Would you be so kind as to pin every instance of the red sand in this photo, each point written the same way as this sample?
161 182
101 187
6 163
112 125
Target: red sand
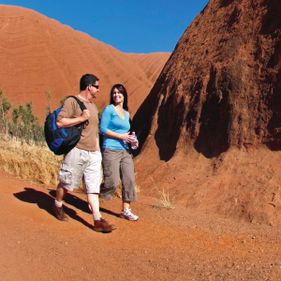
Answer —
178 244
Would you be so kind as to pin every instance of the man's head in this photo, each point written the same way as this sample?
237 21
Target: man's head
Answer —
90 83
88 79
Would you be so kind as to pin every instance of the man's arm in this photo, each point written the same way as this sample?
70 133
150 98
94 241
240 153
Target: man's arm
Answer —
69 122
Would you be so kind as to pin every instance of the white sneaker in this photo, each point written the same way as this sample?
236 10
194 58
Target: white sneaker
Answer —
128 215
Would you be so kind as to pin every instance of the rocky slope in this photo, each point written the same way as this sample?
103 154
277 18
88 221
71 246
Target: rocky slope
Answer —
215 110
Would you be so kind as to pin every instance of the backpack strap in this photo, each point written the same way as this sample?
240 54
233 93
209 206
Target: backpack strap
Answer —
82 107
81 104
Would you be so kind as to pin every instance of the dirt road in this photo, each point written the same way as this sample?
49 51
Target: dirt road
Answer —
177 244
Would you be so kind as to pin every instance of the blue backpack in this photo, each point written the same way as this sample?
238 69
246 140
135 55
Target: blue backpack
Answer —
62 140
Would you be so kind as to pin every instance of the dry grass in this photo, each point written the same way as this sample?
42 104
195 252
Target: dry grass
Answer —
32 162
165 201
27 161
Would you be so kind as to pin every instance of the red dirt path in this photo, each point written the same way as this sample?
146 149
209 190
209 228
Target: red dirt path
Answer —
176 244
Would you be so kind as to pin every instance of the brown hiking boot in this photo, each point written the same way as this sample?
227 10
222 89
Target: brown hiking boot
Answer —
112 225
59 213
102 226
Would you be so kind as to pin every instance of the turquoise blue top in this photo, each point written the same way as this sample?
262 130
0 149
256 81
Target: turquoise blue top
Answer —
110 120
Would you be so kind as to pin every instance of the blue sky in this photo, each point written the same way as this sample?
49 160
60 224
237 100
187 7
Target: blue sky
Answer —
131 26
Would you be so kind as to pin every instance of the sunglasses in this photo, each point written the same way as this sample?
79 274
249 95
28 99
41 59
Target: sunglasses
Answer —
96 86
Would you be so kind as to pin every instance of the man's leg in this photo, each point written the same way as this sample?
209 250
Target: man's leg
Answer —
60 193
92 181
100 224
94 204
58 209
70 175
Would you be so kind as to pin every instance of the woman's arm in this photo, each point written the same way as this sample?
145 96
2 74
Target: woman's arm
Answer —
124 137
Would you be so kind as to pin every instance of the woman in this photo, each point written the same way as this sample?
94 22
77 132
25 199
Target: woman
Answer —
117 159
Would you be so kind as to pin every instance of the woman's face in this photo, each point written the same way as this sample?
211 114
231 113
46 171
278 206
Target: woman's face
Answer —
117 96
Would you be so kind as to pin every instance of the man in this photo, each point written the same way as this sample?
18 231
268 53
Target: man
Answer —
83 162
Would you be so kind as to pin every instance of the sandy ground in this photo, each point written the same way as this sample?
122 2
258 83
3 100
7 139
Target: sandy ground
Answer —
177 244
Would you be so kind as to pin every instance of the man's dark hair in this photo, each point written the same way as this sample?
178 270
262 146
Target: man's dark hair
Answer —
123 91
86 80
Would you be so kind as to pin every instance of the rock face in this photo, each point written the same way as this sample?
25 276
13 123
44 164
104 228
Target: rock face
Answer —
208 127
222 85
42 61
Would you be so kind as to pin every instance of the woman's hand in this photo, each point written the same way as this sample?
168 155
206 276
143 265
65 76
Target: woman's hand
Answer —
128 138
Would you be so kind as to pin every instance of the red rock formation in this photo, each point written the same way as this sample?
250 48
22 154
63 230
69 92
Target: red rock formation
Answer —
42 60
220 90
221 86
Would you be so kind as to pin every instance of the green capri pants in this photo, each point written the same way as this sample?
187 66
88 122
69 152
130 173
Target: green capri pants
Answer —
118 164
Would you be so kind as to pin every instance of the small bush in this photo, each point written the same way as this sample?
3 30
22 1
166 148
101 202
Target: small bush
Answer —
21 123
165 201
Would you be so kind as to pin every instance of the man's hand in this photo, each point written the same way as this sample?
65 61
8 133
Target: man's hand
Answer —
85 115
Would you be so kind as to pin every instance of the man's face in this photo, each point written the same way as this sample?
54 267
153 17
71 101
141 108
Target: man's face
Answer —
94 89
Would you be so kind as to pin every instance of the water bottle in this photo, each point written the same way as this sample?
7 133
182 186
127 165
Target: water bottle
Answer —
135 143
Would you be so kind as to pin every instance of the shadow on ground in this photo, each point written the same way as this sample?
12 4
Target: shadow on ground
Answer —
81 204
45 202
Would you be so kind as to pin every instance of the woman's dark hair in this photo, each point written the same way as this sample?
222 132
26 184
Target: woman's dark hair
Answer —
123 91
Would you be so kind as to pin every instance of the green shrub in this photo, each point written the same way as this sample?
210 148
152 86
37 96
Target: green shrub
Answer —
21 124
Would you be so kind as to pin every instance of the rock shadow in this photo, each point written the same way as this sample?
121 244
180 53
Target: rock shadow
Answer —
215 117
170 120
142 120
